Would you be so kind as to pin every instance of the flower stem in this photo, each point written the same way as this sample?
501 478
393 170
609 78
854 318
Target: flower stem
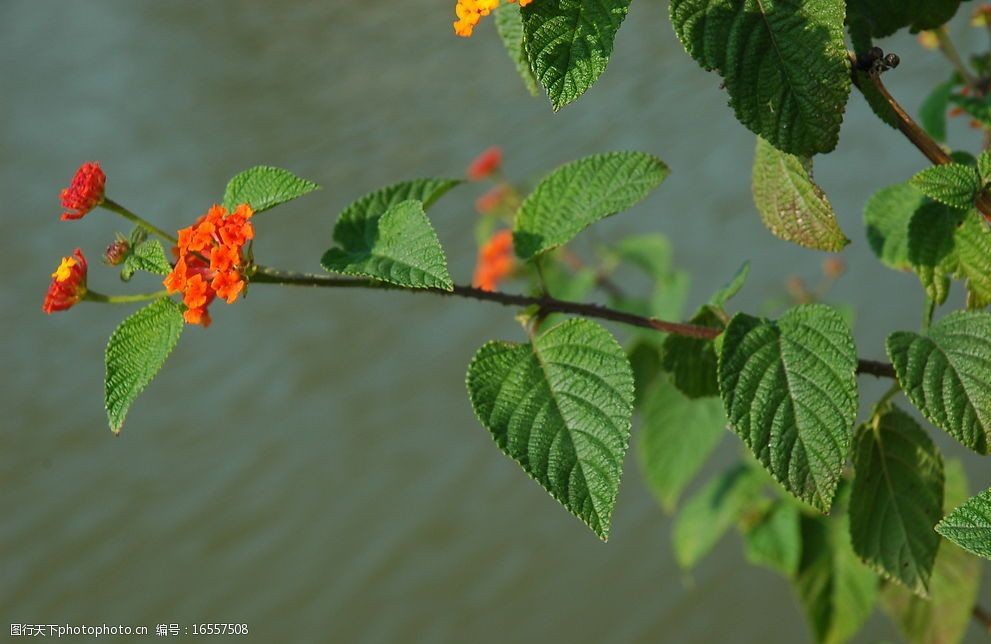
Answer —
92 296
950 51
113 206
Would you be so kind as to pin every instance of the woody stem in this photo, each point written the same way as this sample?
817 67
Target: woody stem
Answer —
544 303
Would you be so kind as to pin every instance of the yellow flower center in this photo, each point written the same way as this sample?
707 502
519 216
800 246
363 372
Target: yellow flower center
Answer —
64 269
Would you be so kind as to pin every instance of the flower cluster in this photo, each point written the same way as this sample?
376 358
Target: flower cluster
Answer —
85 192
469 12
211 260
68 284
495 261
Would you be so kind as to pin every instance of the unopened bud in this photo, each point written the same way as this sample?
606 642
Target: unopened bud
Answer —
117 252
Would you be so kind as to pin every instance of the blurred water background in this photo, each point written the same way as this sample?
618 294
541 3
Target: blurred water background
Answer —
310 465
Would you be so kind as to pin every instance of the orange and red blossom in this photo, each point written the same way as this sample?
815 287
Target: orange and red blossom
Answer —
485 164
85 192
495 261
68 284
211 260
469 12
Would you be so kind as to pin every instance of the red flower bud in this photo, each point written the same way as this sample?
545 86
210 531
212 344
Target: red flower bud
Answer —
485 164
85 192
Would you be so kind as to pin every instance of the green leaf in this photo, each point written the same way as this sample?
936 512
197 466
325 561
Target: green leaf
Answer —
729 291
693 362
561 408
953 184
969 525
580 193
265 187
897 499
569 43
784 64
932 248
945 373
973 259
136 352
953 587
710 512
790 392
398 246
791 205
885 17
652 253
978 108
509 24
836 590
932 113
775 541
675 439
148 256
984 166
887 216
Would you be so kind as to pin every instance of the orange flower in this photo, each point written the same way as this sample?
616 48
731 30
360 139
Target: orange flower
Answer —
68 284
485 164
469 12
85 192
495 261
211 260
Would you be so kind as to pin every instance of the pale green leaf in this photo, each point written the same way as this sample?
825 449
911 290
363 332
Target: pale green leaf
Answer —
784 63
147 256
399 247
953 184
837 591
651 252
946 374
675 438
509 24
932 113
135 354
581 193
569 43
887 216
561 408
790 392
265 187
710 512
942 619
775 540
790 204
897 499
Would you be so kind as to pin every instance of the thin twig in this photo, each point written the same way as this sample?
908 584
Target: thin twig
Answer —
545 304
914 132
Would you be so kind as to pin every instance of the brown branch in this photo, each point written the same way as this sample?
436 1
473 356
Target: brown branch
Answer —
912 130
544 304
982 617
